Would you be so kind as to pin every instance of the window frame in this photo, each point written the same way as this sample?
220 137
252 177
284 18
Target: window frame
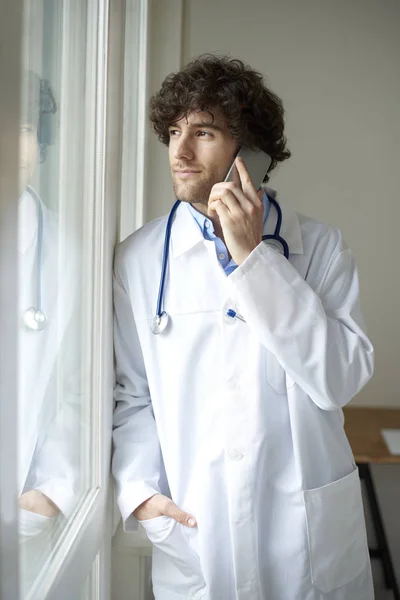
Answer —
78 551
87 539
118 130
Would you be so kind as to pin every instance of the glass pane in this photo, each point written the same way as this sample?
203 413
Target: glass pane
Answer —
55 275
90 586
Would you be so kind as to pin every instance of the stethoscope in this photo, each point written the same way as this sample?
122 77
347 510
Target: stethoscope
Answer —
34 317
160 321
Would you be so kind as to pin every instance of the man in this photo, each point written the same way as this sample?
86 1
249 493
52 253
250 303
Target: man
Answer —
49 419
229 446
45 483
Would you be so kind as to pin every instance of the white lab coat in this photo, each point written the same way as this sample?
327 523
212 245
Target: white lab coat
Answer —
50 423
47 423
241 423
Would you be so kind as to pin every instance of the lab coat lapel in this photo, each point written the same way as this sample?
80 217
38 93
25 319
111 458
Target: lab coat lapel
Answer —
185 233
194 262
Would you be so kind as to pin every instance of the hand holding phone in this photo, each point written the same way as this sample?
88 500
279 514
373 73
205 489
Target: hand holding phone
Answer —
257 164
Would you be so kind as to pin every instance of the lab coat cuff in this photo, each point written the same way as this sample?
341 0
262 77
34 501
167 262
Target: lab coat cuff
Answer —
129 499
261 252
59 493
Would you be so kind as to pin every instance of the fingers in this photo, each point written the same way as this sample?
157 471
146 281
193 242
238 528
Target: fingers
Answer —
222 211
231 195
170 509
234 201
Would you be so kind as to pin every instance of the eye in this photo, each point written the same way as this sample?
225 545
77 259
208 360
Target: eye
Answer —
173 132
204 134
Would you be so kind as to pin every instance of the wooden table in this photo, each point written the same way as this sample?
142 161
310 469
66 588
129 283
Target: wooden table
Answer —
363 427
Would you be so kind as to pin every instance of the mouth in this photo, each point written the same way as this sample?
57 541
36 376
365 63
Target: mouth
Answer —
186 173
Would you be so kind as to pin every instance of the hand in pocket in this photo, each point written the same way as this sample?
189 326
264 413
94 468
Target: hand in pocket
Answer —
158 506
36 502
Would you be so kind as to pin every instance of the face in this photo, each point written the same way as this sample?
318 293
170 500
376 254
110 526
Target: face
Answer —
28 154
201 150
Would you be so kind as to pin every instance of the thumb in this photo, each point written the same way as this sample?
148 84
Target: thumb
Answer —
172 510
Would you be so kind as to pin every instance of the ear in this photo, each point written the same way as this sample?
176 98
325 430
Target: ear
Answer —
260 193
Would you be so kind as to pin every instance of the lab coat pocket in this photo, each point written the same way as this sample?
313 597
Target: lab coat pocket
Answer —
336 532
31 524
169 537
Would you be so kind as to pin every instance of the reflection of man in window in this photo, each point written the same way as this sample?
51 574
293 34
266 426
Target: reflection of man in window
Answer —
46 473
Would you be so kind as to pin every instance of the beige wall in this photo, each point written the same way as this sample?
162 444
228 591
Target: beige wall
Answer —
335 63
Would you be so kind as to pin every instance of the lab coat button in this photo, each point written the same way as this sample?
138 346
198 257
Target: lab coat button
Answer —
235 454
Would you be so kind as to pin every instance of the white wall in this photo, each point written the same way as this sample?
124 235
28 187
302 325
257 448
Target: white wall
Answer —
335 64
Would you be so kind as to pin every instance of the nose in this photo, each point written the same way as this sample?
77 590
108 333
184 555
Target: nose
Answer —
183 148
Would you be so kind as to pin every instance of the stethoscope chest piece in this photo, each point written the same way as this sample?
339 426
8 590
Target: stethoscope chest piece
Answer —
34 319
159 323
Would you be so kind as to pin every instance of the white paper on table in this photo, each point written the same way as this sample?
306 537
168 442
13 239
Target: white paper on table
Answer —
392 439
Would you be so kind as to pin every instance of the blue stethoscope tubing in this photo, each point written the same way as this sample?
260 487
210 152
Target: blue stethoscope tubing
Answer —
34 317
277 233
160 321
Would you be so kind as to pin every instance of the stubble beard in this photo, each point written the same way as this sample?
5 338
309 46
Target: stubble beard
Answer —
191 192
194 192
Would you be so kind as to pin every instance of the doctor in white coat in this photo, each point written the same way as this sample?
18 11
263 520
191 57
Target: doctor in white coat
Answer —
45 475
229 445
48 421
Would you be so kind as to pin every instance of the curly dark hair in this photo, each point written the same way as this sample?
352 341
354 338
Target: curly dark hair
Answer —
254 114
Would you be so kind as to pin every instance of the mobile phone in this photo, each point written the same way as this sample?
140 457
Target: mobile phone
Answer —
257 164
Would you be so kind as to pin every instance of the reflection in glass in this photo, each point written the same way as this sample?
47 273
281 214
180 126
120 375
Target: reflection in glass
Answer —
53 430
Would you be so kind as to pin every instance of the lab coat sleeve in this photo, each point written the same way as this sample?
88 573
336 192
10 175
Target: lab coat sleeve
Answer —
318 334
57 465
137 463
55 469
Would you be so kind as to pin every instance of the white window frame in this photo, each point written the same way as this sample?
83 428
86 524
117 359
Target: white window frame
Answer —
76 556
83 553
134 163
